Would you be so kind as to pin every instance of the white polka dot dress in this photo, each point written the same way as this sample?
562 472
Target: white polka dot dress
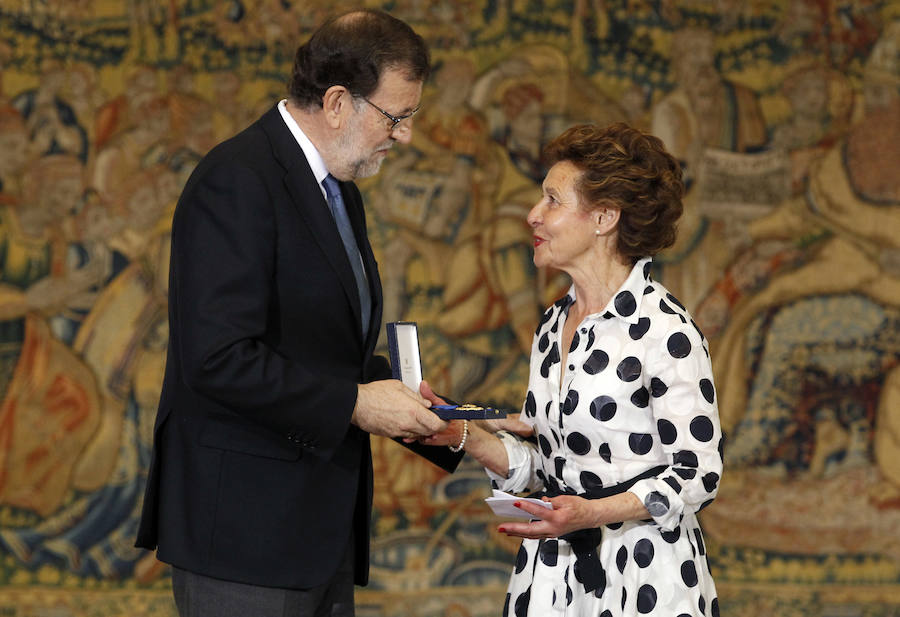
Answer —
637 393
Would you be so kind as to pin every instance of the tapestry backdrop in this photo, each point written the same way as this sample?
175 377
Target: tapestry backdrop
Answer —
786 116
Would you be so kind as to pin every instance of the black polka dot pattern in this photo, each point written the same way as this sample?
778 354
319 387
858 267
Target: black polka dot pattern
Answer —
707 390
559 464
550 359
646 600
671 536
521 608
675 301
629 369
665 308
622 559
685 474
530 408
546 448
570 403
636 392
656 503
605 452
640 443
596 362
643 552
689 573
549 552
667 431
685 458
575 341
625 303
521 559
590 481
641 397
578 443
638 330
675 484
679 345
702 428
603 408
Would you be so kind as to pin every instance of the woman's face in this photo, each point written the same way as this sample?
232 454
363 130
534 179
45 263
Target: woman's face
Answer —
563 232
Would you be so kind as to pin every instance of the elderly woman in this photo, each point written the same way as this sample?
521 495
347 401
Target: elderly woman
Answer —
620 399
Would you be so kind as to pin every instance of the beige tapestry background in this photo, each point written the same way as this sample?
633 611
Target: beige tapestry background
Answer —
786 116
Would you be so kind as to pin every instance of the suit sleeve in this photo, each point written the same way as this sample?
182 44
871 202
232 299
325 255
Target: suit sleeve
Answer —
223 261
379 368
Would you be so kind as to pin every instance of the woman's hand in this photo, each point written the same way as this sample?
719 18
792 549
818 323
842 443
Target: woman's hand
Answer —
510 423
569 513
451 436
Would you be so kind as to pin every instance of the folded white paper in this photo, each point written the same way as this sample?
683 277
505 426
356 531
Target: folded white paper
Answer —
502 505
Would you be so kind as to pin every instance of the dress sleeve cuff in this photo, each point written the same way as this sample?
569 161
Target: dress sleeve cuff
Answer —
520 454
661 501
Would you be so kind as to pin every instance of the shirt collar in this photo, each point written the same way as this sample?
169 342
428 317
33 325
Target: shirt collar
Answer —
626 302
309 150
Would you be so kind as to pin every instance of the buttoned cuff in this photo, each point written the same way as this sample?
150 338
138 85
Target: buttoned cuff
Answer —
520 454
662 502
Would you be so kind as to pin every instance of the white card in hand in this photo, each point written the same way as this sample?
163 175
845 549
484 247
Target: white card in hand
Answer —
502 505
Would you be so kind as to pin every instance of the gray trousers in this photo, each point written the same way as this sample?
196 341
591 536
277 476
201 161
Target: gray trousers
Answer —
202 596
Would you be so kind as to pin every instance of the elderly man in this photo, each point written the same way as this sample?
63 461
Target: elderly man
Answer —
260 487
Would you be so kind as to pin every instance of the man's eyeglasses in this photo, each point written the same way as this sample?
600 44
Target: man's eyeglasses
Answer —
395 120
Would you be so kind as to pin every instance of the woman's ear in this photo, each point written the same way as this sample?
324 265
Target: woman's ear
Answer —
334 105
607 219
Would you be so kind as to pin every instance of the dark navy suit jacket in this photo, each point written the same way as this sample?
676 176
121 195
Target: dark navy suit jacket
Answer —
257 475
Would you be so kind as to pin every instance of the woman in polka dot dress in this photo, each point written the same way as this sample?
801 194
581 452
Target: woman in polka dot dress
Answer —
620 398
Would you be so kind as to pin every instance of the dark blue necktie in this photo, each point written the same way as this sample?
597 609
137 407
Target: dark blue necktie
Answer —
339 212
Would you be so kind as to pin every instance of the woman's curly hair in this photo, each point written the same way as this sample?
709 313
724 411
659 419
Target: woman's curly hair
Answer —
630 170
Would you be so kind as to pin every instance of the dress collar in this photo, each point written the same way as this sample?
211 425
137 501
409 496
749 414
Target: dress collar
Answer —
626 302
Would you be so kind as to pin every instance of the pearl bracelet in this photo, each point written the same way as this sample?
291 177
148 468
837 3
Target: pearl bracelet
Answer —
462 442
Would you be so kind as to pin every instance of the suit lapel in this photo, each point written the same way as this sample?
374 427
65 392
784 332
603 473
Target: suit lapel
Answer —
310 203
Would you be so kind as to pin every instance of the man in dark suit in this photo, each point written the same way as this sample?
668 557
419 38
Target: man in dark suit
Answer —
260 487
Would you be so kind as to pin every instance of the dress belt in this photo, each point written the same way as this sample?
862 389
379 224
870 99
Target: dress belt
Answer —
584 542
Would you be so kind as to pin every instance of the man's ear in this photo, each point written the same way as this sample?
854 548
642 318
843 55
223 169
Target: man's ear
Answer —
335 102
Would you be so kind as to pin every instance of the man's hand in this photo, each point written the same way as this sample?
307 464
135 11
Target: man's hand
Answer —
452 433
391 409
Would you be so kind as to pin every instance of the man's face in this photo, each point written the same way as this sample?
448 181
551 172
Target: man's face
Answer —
368 135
